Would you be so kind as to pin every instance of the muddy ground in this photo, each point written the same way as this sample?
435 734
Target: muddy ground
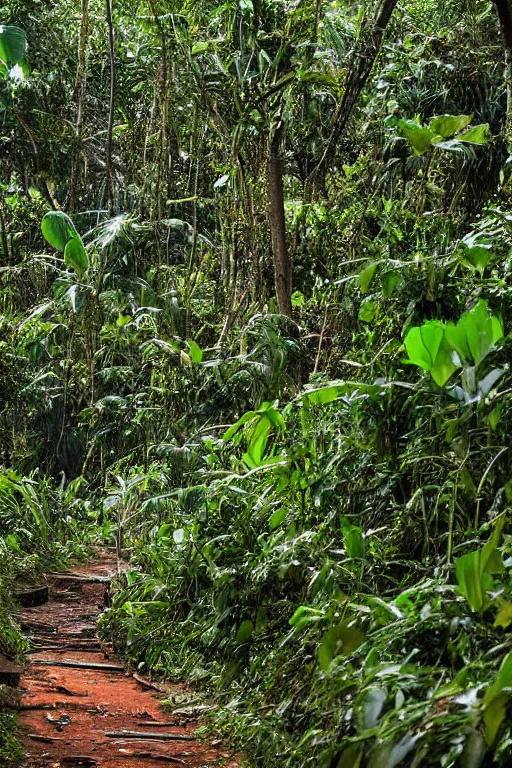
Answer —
86 717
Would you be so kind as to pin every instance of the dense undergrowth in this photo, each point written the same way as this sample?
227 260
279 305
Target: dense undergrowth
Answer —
34 536
316 502
12 645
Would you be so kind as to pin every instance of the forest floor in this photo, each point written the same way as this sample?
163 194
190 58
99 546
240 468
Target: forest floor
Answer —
95 714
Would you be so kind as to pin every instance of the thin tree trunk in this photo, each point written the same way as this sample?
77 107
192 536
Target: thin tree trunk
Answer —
282 265
111 111
164 91
79 94
504 11
359 70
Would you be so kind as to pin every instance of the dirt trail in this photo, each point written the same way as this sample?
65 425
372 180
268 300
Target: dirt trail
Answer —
68 713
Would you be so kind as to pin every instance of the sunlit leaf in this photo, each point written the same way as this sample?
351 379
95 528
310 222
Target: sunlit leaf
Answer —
13 46
58 229
504 616
353 539
472 569
277 517
496 699
389 282
367 312
419 137
479 134
351 757
447 126
196 353
305 615
75 256
366 277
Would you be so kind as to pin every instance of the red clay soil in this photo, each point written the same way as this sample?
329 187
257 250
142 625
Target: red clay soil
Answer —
67 713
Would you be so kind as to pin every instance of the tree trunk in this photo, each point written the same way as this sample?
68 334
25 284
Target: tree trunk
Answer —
505 18
79 95
365 52
111 110
282 265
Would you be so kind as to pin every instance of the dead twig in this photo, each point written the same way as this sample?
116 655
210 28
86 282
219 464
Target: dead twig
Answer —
144 736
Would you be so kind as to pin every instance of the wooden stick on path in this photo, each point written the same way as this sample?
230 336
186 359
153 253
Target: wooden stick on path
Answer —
162 758
144 736
79 665
147 684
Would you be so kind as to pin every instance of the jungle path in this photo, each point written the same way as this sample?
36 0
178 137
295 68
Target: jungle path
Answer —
80 709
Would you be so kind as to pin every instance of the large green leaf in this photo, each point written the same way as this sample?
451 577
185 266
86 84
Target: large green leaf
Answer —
13 47
366 276
427 348
432 346
58 229
75 256
323 395
196 353
447 126
60 232
232 431
244 633
419 137
389 281
367 311
472 570
422 343
305 615
477 250
443 364
479 134
258 442
496 698
352 538
475 334
351 756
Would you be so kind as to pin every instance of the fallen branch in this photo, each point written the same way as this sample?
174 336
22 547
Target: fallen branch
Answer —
147 684
33 707
156 724
162 758
50 739
79 665
62 689
79 577
144 736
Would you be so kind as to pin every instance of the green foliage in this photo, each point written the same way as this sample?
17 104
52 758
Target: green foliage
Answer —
291 496
443 132
496 698
429 348
341 640
60 232
260 424
441 348
13 48
474 571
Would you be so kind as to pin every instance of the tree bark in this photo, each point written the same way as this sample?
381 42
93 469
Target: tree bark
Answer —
282 265
504 11
79 95
111 110
358 72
